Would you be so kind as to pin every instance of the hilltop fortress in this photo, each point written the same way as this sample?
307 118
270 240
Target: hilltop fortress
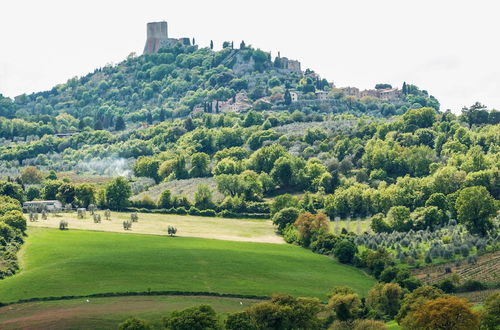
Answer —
157 37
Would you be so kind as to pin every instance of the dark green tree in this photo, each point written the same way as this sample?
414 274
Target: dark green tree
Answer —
475 207
119 123
201 317
134 324
288 97
345 251
117 193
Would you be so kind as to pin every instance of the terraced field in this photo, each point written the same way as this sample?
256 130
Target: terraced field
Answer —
487 269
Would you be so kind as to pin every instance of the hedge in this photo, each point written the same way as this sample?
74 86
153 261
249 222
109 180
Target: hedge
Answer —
204 213
140 293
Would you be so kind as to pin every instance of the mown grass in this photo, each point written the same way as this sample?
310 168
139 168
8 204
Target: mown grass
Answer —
157 224
107 312
65 263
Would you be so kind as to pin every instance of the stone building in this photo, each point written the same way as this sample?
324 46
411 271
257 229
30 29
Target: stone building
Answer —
369 92
350 91
390 94
157 37
287 64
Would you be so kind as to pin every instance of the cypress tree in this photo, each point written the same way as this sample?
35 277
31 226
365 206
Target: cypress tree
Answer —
98 125
288 97
119 123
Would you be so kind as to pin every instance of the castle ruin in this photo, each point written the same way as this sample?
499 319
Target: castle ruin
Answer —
157 37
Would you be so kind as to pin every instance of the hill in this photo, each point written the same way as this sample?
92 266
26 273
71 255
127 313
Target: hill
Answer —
181 80
66 263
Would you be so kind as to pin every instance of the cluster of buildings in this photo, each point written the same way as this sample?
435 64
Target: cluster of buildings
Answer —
388 94
239 103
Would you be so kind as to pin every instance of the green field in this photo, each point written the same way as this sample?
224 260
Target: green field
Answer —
64 263
108 312
187 226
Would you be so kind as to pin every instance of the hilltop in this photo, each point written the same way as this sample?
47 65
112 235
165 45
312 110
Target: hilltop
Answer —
180 79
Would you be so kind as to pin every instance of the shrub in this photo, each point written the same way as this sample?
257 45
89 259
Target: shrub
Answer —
345 251
134 324
63 225
471 285
165 200
285 217
127 224
208 213
240 321
180 210
171 230
291 234
201 317
447 286
369 325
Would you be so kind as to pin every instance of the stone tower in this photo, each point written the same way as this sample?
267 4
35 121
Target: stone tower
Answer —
157 33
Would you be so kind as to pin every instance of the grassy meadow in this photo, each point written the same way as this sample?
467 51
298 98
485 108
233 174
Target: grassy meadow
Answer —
187 226
76 262
106 312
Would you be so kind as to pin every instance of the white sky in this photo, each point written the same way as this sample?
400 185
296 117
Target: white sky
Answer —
451 48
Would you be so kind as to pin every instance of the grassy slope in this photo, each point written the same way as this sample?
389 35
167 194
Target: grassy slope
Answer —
57 263
106 313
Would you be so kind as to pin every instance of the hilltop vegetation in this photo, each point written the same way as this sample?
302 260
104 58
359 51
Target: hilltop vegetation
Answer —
427 183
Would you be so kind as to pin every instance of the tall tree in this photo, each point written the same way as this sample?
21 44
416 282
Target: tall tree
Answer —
118 192
203 197
288 97
446 313
475 208
119 123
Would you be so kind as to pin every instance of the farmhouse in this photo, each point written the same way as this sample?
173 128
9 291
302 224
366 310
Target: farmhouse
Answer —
390 94
321 95
42 205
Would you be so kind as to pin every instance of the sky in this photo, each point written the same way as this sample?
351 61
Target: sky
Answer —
447 47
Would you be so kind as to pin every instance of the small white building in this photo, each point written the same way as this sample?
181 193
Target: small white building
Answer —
321 95
294 96
43 205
